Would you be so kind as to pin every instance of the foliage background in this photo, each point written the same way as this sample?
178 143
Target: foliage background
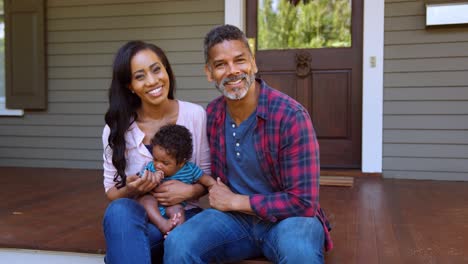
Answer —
286 24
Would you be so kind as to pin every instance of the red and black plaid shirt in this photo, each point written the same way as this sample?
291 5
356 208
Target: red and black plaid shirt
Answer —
288 151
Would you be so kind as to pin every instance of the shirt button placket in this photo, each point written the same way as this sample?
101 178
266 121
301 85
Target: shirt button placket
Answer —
237 149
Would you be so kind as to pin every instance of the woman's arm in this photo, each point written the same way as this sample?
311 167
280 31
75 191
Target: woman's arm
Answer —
173 192
125 192
136 186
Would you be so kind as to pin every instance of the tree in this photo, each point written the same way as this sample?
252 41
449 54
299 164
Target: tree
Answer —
286 24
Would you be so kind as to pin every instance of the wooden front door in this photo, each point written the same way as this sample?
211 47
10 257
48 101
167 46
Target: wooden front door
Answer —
326 80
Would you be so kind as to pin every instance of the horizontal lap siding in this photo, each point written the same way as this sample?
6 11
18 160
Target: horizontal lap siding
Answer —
82 39
425 96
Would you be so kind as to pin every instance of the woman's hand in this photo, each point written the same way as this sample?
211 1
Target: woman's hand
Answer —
145 183
136 186
173 192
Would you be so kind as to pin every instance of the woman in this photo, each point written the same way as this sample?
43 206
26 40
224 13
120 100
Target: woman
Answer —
141 100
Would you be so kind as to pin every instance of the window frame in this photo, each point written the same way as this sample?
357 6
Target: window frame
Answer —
3 110
9 112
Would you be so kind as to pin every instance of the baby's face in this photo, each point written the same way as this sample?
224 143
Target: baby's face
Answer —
165 162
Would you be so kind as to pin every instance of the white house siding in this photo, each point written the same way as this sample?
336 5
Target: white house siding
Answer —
82 38
425 96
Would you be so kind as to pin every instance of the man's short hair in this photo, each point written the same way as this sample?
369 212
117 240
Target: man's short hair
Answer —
221 33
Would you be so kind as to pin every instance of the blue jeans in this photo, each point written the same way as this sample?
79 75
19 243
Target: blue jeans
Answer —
215 236
130 237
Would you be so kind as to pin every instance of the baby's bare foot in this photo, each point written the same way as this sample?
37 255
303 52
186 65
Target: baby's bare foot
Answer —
166 225
178 219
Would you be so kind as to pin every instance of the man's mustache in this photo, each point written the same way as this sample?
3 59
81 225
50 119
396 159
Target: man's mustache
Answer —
233 78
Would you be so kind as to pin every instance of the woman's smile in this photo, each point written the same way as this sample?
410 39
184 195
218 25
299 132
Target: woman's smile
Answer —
156 91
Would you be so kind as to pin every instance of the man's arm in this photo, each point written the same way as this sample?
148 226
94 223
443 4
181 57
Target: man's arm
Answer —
223 199
299 171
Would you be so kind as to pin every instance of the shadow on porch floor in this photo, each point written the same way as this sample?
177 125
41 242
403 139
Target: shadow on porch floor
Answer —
375 221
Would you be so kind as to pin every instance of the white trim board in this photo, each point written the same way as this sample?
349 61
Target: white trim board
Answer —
8 112
236 14
25 256
446 14
372 77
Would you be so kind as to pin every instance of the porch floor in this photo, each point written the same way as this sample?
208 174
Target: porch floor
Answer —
375 221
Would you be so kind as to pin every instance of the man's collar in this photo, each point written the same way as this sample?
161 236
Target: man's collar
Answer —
262 107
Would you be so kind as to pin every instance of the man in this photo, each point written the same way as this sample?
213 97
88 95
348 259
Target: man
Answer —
266 157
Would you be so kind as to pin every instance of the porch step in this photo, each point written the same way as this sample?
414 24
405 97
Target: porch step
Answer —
343 181
348 173
342 177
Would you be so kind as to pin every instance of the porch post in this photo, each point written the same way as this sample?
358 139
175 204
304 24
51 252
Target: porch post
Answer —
234 13
372 86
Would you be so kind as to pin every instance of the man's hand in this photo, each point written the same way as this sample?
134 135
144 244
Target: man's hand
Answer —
221 197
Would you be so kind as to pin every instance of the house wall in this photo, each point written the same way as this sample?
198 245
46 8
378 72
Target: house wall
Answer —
425 96
82 38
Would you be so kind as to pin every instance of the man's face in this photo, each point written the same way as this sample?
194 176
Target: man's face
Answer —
232 68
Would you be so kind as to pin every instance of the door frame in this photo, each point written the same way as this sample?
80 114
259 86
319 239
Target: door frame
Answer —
372 76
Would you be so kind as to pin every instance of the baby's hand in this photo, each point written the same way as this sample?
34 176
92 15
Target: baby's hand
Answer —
159 175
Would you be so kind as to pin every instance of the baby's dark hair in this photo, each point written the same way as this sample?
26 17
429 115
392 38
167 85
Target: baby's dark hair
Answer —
176 140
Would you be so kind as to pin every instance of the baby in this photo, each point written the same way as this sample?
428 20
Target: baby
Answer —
172 148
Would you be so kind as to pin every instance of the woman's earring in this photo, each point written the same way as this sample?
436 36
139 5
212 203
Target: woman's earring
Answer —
133 92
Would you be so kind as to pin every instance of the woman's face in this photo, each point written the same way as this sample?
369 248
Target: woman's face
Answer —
150 80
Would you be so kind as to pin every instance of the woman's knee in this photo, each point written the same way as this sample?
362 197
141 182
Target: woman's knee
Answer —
120 211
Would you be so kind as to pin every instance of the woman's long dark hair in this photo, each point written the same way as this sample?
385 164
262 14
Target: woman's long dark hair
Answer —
123 104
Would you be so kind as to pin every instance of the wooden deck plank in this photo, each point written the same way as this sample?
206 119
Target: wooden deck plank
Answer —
56 209
374 221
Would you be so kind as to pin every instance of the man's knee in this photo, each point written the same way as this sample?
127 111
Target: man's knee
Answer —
190 230
188 242
298 239
179 246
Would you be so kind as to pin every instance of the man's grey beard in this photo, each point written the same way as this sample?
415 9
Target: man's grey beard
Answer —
238 93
